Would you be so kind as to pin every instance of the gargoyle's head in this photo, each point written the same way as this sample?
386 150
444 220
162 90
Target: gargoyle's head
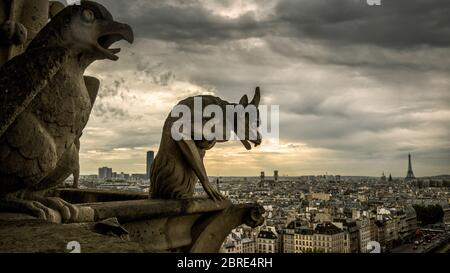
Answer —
251 122
88 30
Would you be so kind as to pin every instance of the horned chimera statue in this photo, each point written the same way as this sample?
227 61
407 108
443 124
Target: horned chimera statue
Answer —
179 163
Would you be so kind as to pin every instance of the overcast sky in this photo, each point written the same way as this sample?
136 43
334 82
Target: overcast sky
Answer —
358 86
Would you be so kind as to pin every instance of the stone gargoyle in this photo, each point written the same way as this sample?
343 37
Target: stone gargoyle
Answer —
45 104
179 163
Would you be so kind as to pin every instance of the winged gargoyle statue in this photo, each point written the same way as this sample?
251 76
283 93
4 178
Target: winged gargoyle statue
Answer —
45 103
179 163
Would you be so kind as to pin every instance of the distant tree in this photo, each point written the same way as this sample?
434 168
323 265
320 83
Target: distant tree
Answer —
429 214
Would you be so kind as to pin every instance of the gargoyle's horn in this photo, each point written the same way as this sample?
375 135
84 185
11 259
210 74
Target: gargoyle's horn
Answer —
244 100
256 97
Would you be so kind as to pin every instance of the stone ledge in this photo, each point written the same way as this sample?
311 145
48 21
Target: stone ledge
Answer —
25 236
78 196
135 210
153 225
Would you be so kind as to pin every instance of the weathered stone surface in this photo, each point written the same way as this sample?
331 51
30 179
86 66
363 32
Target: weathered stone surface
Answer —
190 225
134 210
187 225
78 196
43 237
209 232
19 24
11 216
46 101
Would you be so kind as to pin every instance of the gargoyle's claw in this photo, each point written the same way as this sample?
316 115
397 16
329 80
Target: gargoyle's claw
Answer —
218 196
214 194
31 207
51 209
69 212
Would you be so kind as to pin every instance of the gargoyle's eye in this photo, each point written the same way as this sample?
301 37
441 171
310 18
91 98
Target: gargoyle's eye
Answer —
88 15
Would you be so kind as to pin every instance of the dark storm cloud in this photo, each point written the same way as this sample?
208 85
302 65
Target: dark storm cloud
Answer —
357 55
105 109
108 111
367 83
396 24
183 21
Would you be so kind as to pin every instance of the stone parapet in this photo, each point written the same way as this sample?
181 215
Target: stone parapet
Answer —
196 225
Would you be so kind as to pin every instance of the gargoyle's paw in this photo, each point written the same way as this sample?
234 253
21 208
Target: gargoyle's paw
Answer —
74 210
32 208
209 192
69 212
214 194
218 195
42 212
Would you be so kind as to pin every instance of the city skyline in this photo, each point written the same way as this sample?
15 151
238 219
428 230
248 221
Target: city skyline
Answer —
351 101
150 156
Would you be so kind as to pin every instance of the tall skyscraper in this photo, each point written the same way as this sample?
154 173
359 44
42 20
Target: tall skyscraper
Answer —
105 173
150 157
275 175
410 174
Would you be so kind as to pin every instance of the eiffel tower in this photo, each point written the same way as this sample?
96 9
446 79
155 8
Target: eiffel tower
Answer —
410 174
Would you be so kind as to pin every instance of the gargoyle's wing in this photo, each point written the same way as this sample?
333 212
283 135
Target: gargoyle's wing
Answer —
92 85
23 77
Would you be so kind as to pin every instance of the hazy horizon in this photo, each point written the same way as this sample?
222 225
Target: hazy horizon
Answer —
359 87
287 175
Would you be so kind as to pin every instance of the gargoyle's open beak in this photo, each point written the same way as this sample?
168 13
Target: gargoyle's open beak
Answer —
111 32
